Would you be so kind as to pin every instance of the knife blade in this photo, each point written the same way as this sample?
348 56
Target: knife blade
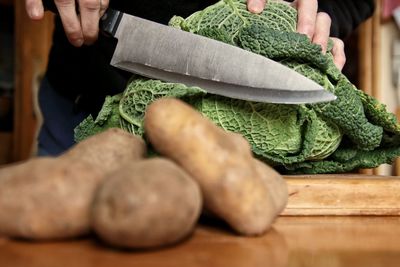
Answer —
157 51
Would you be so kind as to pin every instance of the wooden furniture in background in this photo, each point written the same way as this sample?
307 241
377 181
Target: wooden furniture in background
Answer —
369 65
33 41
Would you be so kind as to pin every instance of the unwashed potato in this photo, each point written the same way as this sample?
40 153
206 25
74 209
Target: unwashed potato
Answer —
45 198
147 204
50 198
275 183
108 150
220 161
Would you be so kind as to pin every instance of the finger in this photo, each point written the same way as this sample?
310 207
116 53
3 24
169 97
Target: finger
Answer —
339 56
70 21
256 6
90 16
103 7
307 13
322 30
34 8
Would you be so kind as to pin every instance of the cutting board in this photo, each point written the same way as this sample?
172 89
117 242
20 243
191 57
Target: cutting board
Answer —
345 194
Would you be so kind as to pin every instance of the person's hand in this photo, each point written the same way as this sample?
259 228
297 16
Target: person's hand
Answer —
316 25
80 29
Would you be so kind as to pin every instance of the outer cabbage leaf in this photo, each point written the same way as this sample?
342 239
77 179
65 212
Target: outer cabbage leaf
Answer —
108 117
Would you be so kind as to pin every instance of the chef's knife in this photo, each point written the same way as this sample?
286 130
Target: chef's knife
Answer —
157 51
161 52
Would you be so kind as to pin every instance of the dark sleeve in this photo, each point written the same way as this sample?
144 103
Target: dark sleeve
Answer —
346 15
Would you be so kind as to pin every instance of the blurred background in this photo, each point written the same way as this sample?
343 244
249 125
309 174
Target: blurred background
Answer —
373 65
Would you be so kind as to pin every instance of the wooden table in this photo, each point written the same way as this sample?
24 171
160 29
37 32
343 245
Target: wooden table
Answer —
294 241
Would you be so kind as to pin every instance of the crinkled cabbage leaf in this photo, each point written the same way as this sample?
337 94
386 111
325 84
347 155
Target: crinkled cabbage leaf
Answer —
354 131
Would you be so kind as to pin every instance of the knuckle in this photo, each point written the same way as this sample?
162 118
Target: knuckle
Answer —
338 44
325 17
91 5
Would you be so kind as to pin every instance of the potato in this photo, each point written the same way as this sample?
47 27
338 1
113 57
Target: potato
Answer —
221 162
50 198
147 204
45 198
275 183
108 150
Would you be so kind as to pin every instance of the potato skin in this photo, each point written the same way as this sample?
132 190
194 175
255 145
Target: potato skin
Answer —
147 204
108 150
220 161
275 184
50 198
45 198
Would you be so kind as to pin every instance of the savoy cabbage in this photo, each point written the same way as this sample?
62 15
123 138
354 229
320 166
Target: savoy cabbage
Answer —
354 131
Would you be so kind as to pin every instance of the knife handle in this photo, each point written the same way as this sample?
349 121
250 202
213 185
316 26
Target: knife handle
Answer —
108 23
110 20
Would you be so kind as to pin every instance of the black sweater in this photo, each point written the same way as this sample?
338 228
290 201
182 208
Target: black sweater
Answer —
346 15
85 71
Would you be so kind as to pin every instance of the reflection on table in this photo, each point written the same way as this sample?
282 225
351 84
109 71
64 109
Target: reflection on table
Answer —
293 241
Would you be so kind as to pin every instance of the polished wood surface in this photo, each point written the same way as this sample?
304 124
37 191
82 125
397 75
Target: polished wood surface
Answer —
293 241
343 194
